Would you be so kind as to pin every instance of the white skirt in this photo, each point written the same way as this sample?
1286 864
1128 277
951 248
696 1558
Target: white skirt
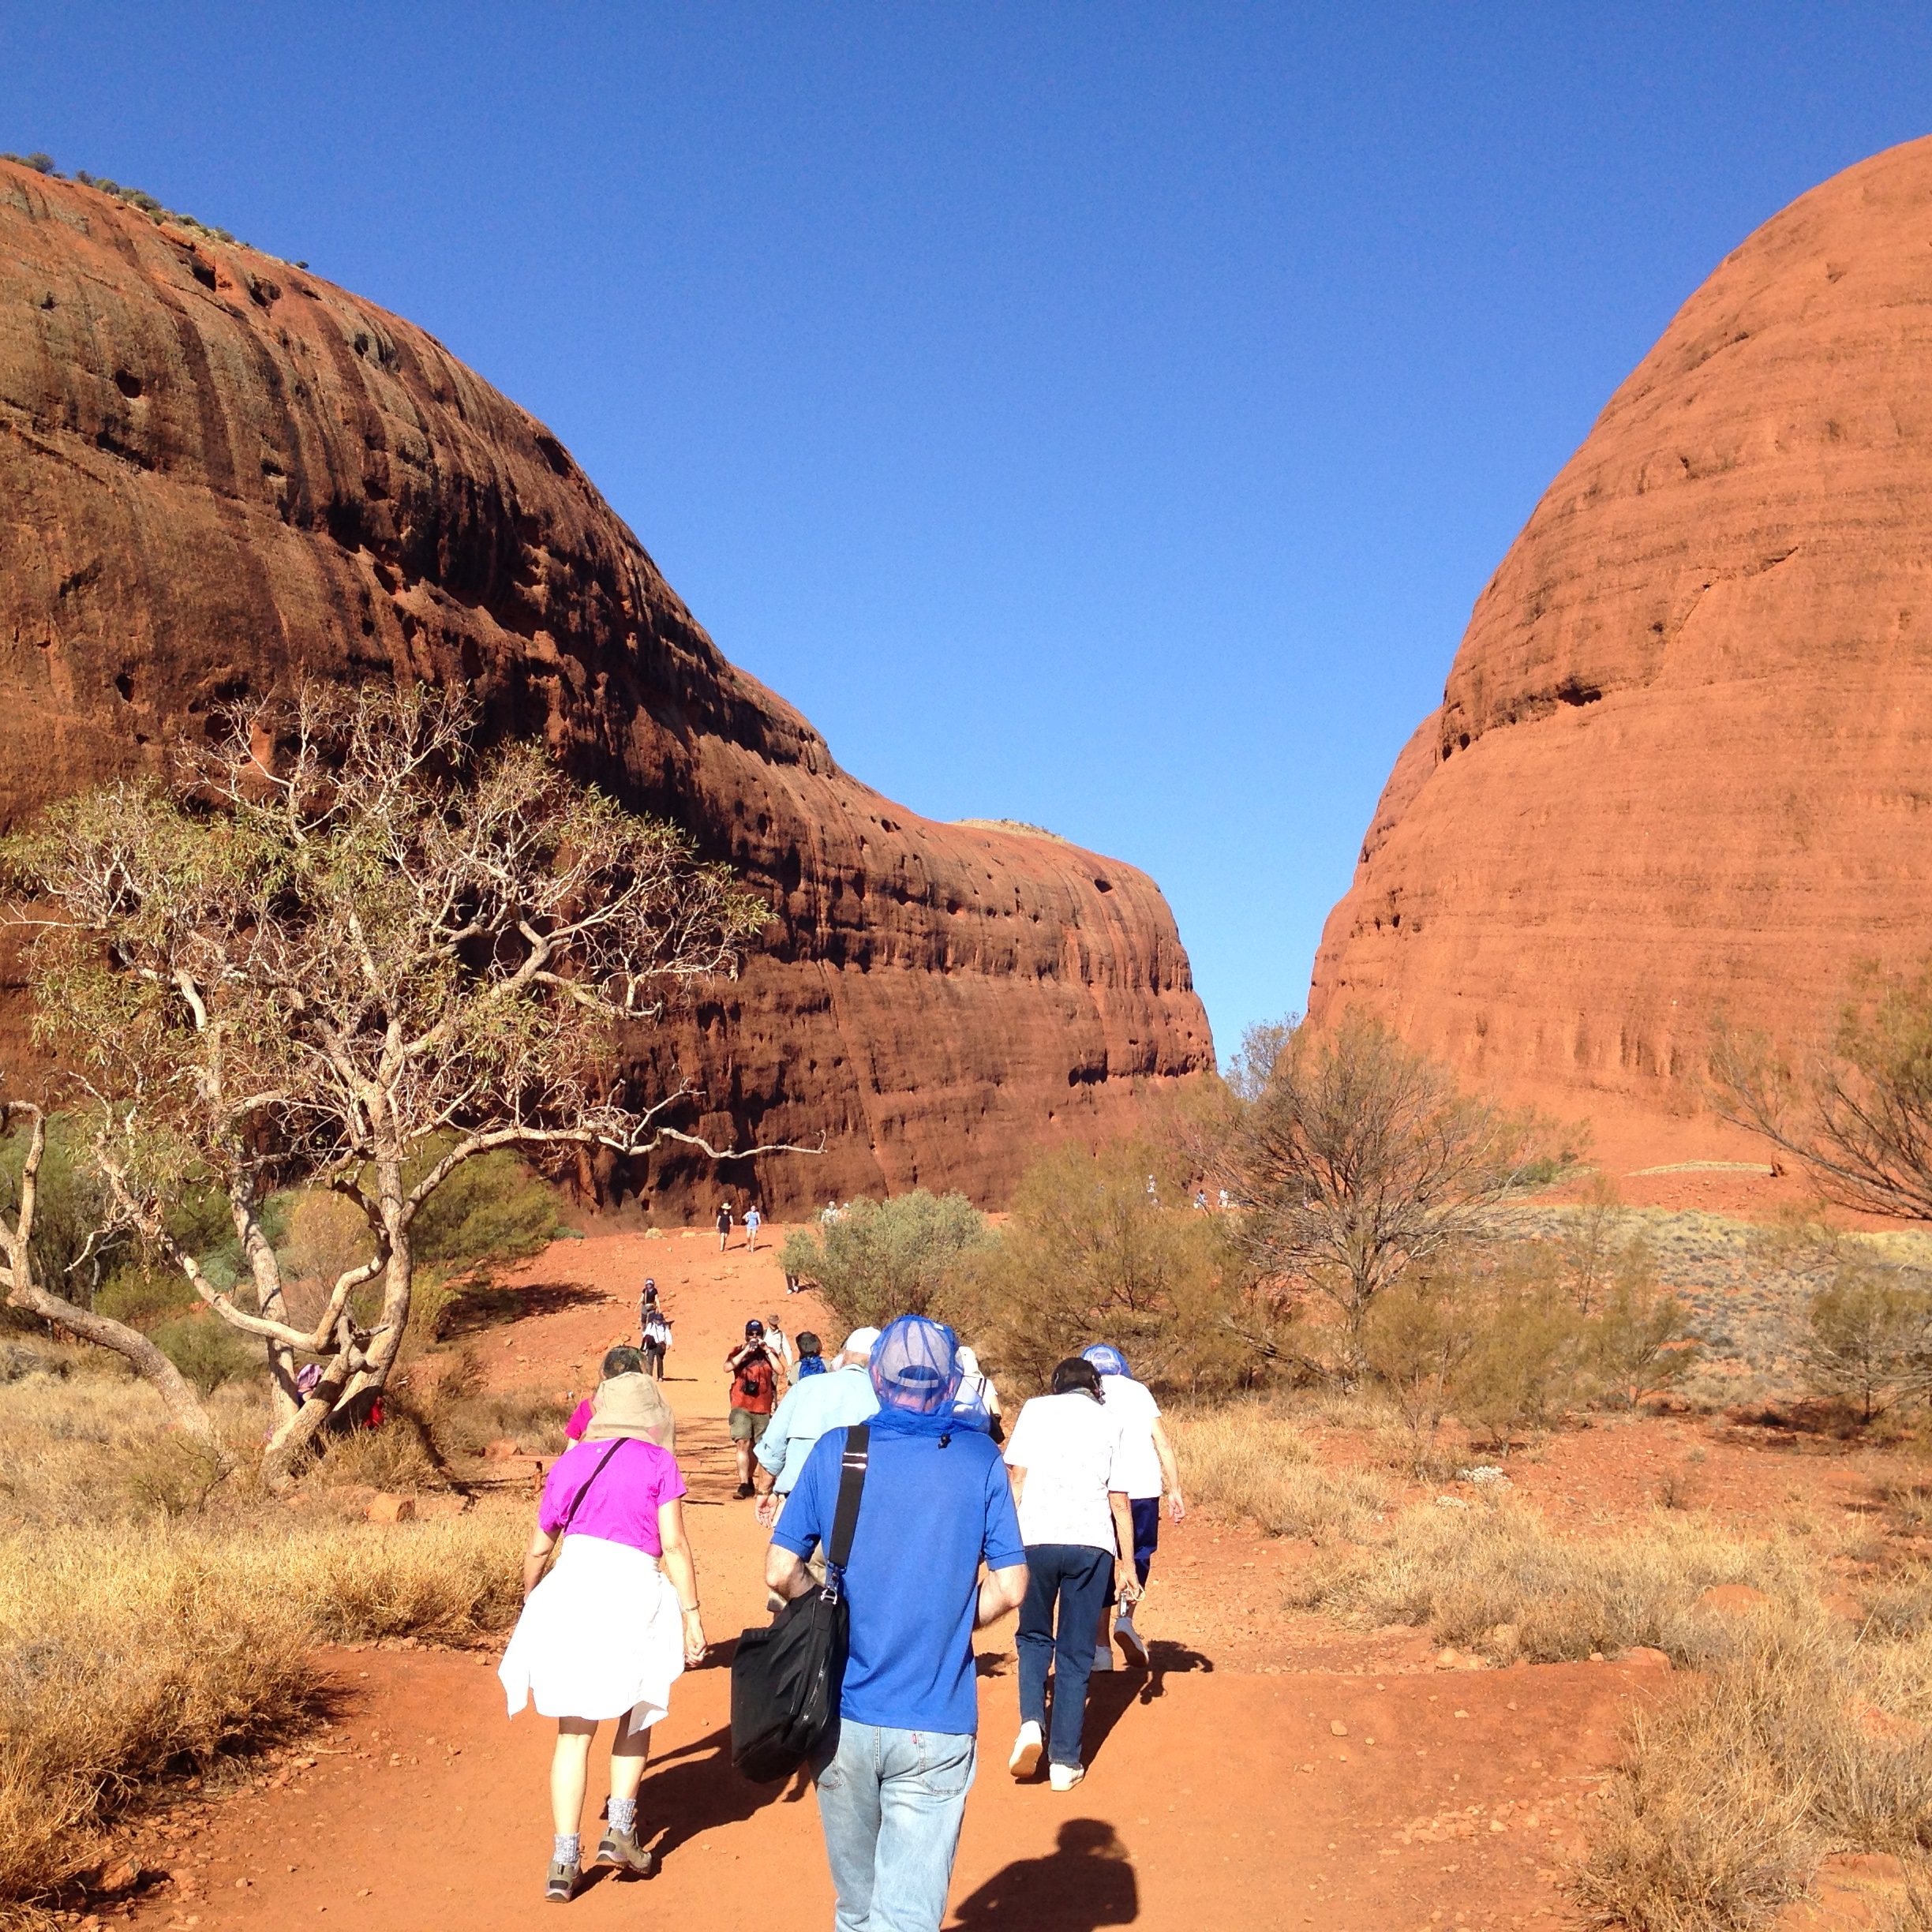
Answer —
601 1635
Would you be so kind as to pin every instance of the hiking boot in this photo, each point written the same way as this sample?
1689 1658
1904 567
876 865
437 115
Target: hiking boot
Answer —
1026 1751
621 1848
742 1492
561 1887
1064 1777
1131 1641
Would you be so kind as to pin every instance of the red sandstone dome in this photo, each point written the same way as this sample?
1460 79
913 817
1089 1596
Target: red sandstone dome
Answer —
1683 760
218 471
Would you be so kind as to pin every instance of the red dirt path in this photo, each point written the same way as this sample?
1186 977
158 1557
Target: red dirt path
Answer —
1221 1781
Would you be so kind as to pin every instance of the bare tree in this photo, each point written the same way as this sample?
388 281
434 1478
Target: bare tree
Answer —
1358 1159
23 1290
344 949
1859 1113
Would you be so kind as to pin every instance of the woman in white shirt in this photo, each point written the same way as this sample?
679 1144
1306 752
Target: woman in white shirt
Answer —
1151 1471
1069 1482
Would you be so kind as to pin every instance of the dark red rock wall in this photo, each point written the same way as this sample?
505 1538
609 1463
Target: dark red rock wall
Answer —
1683 761
217 471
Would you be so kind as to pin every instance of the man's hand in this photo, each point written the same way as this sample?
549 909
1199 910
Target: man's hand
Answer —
1126 1583
766 1511
1175 1508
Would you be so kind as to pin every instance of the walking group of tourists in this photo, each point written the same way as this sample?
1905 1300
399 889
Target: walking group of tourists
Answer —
893 1507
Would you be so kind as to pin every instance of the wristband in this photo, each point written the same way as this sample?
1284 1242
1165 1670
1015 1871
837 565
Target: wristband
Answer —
689 1609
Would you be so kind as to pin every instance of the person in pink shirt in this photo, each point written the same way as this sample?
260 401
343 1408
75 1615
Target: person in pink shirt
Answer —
608 1628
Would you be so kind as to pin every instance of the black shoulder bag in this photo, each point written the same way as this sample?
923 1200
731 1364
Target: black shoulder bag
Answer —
786 1674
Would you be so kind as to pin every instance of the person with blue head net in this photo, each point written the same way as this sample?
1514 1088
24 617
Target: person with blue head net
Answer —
1150 1472
935 1552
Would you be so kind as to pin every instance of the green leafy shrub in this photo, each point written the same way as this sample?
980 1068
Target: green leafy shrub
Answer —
208 1351
490 1209
882 1258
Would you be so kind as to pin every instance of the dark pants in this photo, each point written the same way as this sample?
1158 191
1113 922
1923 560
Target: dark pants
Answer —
653 1364
1146 1533
1072 1580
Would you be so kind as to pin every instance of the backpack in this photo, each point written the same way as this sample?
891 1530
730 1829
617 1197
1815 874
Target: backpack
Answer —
786 1675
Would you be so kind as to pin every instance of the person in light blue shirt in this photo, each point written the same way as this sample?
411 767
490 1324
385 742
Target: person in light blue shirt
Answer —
812 1404
892 1773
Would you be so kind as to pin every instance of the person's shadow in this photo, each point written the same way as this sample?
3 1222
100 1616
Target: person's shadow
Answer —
1084 1884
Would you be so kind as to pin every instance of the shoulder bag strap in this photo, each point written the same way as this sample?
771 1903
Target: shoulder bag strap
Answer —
577 1500
852 1486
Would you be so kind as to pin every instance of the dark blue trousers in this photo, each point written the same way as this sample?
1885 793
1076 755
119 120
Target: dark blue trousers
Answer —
1066 1585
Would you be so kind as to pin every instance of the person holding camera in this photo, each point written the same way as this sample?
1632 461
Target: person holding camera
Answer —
754 1396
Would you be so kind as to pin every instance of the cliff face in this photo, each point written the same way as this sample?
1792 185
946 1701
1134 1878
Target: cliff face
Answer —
218 472
1683 760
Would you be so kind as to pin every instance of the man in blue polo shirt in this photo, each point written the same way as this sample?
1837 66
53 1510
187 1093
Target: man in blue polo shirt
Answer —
894 1772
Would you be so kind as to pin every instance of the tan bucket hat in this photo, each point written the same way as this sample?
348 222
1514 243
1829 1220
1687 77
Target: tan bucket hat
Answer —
632 1405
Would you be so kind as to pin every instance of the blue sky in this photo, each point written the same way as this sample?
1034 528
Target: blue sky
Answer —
1099 415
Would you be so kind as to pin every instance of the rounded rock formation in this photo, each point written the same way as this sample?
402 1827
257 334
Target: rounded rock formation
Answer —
1683 761
218 472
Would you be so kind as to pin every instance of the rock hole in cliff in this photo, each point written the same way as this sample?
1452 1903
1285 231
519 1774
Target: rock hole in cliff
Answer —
553 454
359 341
124 685
127 382
202 272
1571 692
1101 885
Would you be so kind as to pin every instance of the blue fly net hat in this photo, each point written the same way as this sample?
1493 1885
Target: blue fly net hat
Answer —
915 1374
1106 1357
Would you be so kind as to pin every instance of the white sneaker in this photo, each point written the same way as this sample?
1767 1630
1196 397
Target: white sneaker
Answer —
1026 1751
1103 1657
1131 1641
1064 1777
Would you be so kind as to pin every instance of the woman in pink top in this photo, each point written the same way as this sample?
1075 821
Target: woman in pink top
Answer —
615 1621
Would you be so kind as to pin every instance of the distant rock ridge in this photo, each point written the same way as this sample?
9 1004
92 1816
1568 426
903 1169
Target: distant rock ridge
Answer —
1683 760
218 471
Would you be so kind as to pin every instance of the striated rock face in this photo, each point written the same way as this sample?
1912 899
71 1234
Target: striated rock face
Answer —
1684 757
217 471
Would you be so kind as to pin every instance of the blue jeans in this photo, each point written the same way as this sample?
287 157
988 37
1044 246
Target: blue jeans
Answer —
1072 1577
890 1803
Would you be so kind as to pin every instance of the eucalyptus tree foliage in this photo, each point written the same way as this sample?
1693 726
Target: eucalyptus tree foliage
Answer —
344 943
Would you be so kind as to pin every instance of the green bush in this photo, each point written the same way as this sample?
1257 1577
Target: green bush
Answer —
882 1258
208 1351
143 1297
491 1209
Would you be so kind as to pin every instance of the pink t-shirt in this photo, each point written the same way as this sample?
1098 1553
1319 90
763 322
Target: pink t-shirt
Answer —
579 1421
622 1506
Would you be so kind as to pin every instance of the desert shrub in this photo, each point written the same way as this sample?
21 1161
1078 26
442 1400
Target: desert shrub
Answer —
70 1210
1870 1340
173 1475
1243 1461
882 1259
491 1209
1089 1255
463 1416
122 1651
145 1297
1803 1741
399 1456
1640 1343
208 1351
1465 1572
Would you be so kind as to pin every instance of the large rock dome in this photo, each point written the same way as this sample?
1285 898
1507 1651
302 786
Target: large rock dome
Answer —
218 471
1683 761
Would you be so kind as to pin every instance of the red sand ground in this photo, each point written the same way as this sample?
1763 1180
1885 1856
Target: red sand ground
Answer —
1279 1772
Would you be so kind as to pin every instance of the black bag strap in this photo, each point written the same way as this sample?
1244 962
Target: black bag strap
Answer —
852 1487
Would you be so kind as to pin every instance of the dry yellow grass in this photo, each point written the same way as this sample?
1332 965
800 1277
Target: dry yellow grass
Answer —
122 1647
1243 1461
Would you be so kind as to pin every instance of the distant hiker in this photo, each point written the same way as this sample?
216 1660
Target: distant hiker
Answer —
811 1355
1224 1200
621 1360
843 1395
753 1395
894 1772
753 1221
1151 1470
724 1225
1153 1192
1200 1200
1069 1479
779 1344
616 1621
978 1401
656 1326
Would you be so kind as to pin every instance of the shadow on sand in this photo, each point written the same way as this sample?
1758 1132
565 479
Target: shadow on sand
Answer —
1085 1884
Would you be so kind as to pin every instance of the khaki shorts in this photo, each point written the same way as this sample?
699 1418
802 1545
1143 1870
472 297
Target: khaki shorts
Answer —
746 1427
